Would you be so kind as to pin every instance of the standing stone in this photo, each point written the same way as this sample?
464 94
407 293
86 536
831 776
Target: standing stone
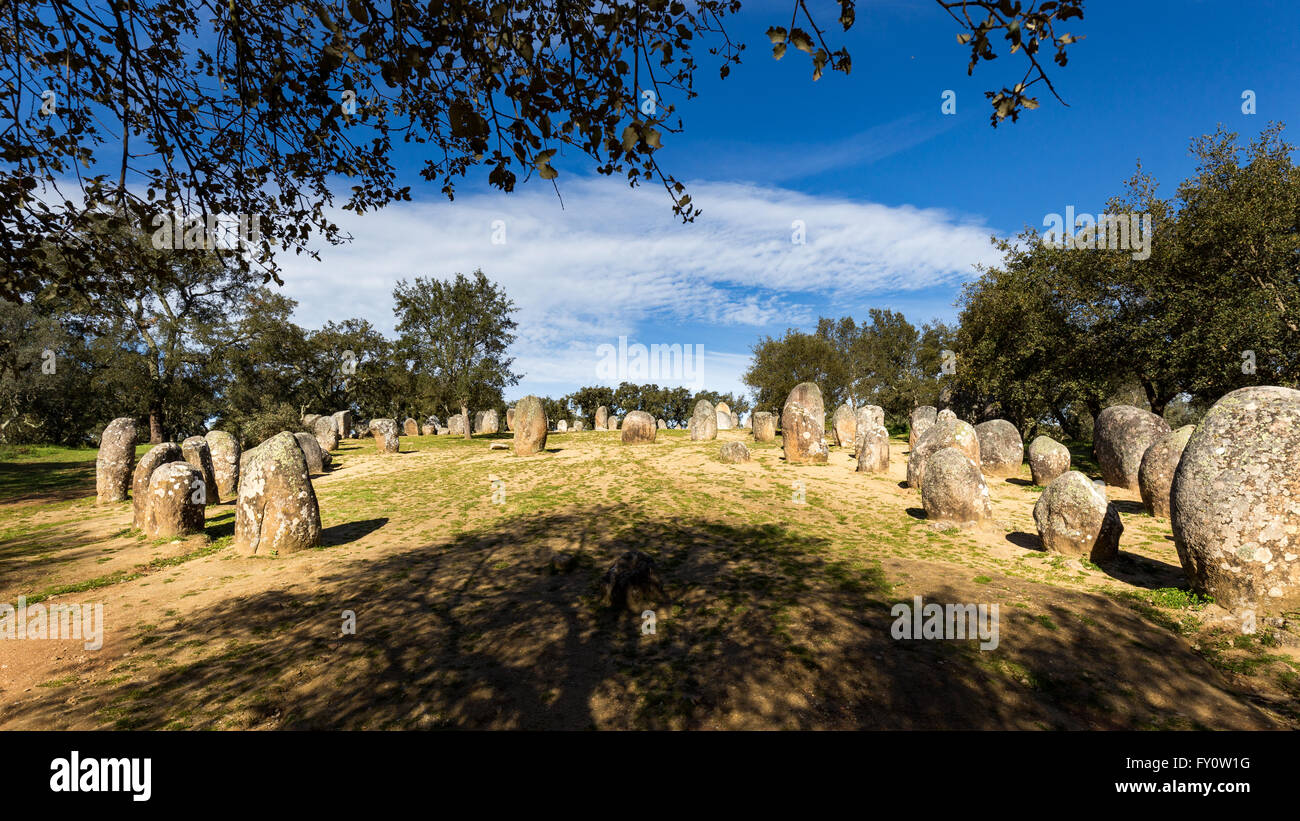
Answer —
478 422
562 426
873 449
342 423
723 417
510 419
704 422
1002 451
920 421
173 509
613 422
387 440
326 436
577 424
602 418
950 432
277 512
866 420
1075 519
158 455
115 463
764 425
309 421
639 428
1120 438
224 450
530 426
428 430
195 450
1048 459
311 451
410 427
1156 474
953 490
844 426
489 421
663 425
803 426
456 424
734 453
735 419
1236 502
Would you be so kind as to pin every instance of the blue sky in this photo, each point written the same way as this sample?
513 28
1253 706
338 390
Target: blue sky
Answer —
897 198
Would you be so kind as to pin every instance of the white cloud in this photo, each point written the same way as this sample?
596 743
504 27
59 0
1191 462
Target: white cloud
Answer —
614 261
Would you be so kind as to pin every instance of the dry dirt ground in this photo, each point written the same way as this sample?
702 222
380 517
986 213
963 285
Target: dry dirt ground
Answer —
468 616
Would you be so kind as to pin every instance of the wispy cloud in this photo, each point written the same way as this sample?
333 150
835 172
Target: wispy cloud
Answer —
614 262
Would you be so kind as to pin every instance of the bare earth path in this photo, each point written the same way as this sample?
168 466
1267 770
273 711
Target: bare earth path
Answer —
465 617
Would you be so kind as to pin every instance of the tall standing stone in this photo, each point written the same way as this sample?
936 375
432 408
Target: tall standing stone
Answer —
803 426
562 426
1156 474
342 423
195 450
1236 502
1120 438
326 436
1048 459
311 451
844 426
510 419
387 439
530 426
953 490
1074 518
919 422
639 428
723 416
224 450
951 432
764 425
115 462
157 456
410 427
1002 451
872 442
277 511
704 422
175 508
602 418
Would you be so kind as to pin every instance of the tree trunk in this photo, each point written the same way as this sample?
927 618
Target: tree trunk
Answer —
156 434
464 412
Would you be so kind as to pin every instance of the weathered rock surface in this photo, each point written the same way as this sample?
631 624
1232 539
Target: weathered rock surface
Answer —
326 434
530 426
1002 451
844 426
387 440
1236 502
115 463
311 451
803 426
764 425
1120 438
1074 518
953 491
921 420
734 453
175 506
951 432
157 456
410 427
225 453
195 451
1048 459
1156 473
277 511
602 418
872 449
704 422
639 428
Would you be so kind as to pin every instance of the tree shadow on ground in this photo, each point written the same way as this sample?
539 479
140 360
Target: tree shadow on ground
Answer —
1142 571
336 535
766 627
38 482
